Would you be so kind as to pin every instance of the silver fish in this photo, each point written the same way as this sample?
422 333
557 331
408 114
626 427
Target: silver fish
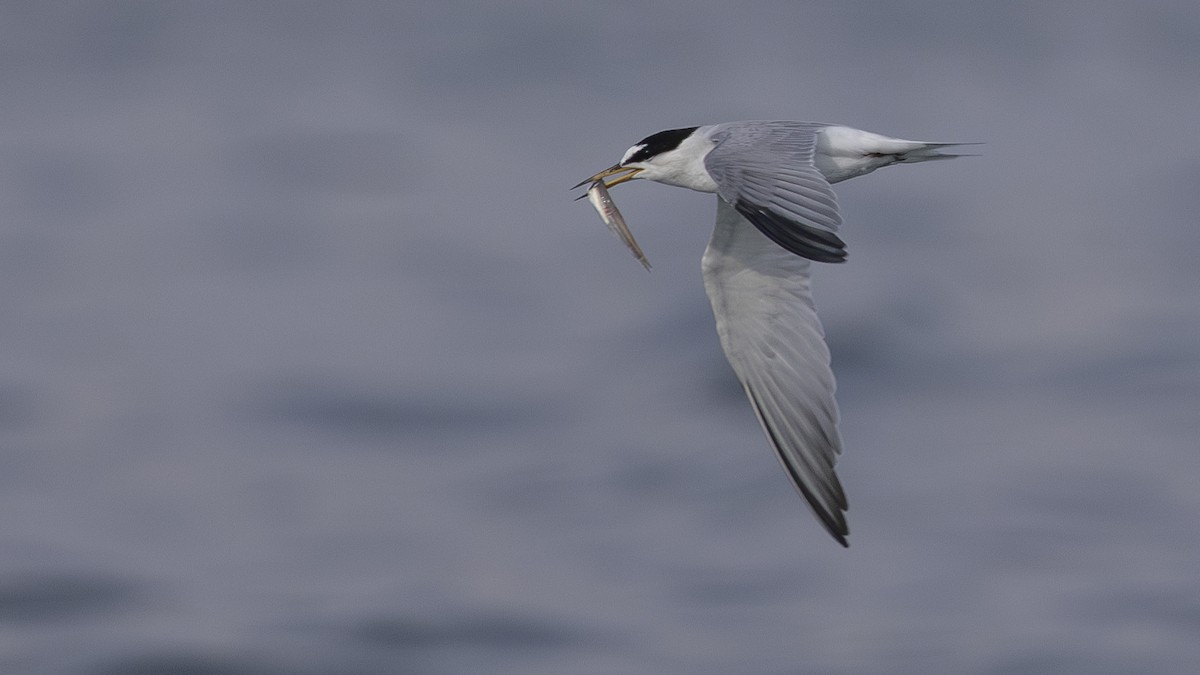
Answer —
598 195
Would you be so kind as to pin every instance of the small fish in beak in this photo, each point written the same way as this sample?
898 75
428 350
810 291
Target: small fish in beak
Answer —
598 195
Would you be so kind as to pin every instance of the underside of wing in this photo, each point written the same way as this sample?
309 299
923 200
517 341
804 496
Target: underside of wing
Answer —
766 172
771 335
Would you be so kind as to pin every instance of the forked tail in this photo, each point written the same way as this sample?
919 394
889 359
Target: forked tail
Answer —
924 152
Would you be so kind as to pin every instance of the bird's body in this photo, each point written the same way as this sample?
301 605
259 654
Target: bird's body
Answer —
776 213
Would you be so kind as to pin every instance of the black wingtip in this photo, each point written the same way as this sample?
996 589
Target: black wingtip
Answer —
803 240
832 520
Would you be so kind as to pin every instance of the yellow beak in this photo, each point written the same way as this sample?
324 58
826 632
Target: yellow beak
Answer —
611 171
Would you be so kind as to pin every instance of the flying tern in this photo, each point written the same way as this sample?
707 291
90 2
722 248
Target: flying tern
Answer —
776 214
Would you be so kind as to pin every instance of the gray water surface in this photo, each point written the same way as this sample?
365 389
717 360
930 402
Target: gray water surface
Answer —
310 365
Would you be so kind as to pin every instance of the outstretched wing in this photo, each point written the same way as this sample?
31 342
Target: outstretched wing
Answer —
766 171
771 335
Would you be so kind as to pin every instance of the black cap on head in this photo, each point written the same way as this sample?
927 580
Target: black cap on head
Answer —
659 143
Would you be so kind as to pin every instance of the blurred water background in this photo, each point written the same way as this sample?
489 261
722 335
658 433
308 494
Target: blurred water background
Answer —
309 364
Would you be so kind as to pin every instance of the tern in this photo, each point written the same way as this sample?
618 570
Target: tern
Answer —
776 214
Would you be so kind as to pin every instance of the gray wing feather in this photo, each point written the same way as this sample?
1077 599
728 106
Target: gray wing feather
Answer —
771 335
766 171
